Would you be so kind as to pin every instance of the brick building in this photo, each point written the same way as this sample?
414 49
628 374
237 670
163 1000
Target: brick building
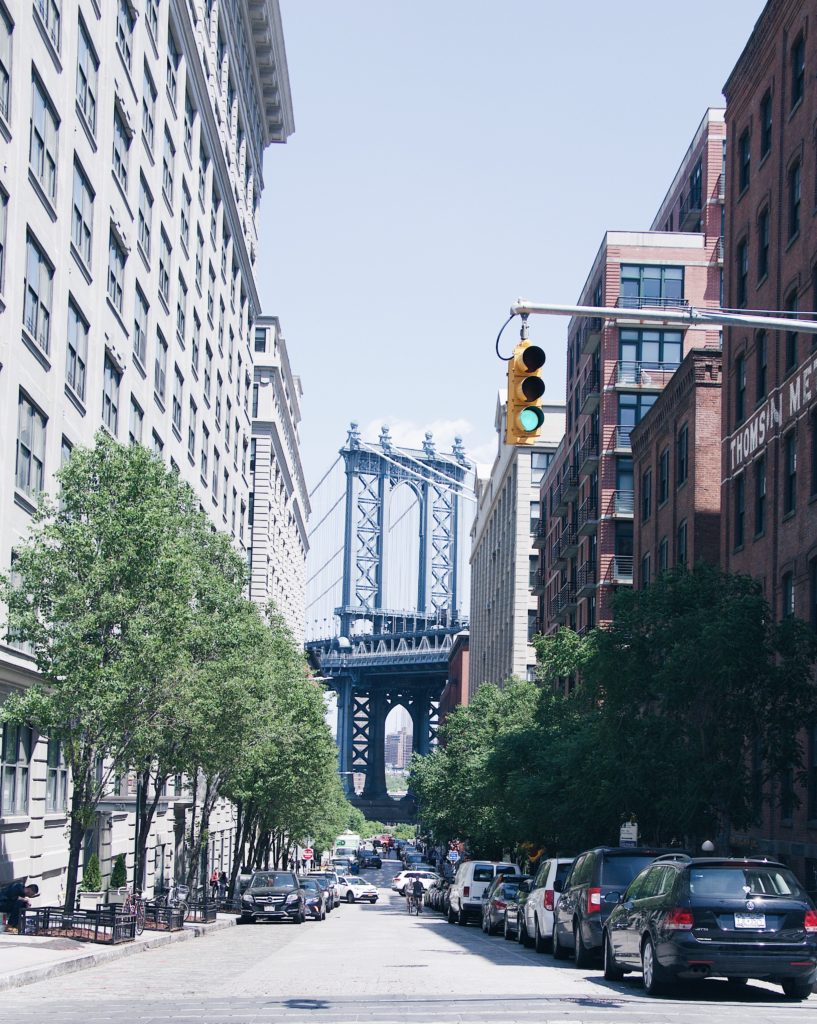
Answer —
676 466
769 419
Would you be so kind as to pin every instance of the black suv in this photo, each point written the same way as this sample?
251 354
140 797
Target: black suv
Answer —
703 917
582 909
273 896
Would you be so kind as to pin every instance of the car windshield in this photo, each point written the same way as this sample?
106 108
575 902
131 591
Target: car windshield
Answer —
732 882
310 883
322 882
620 871
273 880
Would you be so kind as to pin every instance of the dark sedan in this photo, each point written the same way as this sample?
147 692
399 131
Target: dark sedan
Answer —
709 917
501 893
314 899
273 896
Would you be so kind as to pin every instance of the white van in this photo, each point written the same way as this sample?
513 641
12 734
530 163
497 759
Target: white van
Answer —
470 882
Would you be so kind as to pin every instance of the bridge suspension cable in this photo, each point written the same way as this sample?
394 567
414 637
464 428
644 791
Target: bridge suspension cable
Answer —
325 475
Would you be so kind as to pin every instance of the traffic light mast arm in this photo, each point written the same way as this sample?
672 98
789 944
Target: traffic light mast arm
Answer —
687 317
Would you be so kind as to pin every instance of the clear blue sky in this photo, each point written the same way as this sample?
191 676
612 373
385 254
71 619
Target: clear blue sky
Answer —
450 156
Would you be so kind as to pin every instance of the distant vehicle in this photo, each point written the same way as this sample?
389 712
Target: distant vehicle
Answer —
403 879
315 897
346 845
470 882
710 917
354 888
326 880
370 860
274 896
535 913
582 908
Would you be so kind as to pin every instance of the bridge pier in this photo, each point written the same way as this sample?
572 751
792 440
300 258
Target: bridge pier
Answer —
375 786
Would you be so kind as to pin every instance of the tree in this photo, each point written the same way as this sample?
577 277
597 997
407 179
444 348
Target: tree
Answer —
100 591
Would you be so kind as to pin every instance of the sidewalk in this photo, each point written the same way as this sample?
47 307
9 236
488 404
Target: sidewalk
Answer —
25 959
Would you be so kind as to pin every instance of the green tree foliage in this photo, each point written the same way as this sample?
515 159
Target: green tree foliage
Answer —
119 875
92 876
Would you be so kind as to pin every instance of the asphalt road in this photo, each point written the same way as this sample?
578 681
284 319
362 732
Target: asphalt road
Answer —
373 964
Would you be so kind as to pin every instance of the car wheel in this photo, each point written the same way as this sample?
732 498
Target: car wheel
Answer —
521 931
506 931
556 948
350 897
796 988
462 920
612 972
581 954
540 943
654 976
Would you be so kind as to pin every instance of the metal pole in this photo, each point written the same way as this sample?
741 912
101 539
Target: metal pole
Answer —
688 316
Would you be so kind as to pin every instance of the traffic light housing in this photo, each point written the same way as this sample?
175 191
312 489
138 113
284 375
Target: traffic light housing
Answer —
525 418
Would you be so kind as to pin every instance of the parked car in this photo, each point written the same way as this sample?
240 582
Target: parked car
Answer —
341 865
326 883
534 926
581 910
502 891
710 917
403 879
315 898
370 860
353 887
434 893
514 910
470 882
274 896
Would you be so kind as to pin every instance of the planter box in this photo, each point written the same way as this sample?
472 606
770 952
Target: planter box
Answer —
163 919
203 912
116 898
90 900
102 925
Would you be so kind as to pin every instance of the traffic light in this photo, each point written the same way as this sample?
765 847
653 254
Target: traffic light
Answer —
525 389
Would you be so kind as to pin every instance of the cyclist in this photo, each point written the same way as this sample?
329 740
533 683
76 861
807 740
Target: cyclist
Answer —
416 894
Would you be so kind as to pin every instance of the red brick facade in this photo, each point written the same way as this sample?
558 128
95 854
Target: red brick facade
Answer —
769 416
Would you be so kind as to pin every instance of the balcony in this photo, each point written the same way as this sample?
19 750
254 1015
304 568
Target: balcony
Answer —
589 393
565 600
588 455
621 569
649 302
588 517
621 504
720 188
569 542
621 438
586 578
690 211
645 376
591 335
570 483
538 581
538 530
719 251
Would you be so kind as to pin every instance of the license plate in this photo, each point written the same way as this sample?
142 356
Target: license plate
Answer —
755 921
269 910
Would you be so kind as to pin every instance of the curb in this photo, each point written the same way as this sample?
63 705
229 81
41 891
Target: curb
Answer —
103 955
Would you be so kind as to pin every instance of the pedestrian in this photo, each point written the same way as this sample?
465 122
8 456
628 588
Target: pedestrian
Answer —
214 884
222 885
13 899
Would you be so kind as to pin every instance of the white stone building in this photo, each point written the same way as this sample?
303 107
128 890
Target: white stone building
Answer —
279 503
131 142
503 559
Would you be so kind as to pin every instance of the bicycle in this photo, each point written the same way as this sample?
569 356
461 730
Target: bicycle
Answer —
414 906
176 899
133 904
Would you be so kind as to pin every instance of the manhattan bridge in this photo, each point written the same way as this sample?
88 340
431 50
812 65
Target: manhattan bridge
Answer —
387 590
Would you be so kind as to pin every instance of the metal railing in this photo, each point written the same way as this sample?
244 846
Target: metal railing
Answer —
621 438
621 569
719 250
163 919
622 503
691 204
720 187
588 512
589 450
649 302
566 598
591 334
589 387
644 374
586 576
102 925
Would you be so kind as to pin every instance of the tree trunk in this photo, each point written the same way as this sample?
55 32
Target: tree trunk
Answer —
242 828
191 860
76 834
145 813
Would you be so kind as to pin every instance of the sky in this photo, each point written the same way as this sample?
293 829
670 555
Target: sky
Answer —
450 156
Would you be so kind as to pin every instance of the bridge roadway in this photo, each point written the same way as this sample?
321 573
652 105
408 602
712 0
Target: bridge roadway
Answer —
373 964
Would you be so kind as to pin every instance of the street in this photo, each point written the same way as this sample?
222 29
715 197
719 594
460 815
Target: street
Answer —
374 964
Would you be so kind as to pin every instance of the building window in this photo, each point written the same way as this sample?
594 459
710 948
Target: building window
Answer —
791 336
116 272
254 401
148 107
164 267
199 257
178 389
125 21
173 61
4 204
260 339
743 272
87 78
110 395
219 392
787 595
30 465
121 145
140 327
789 472
204 162
189 118
211 292
252 455
646 495
216 473
664 284
145 217
43 141
740 389
798 70
152 18
168 167
181 312
195 345
137 418
645 570
682 456
83 215
157 445
763 244
663 554
38 295
681 544
191 430
208 370
185 217
663 476
744 160
160 367
49 12
760 495
77 355
794 200
762 366
14 764
740 509
56 789
765 124
6 31
205 442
